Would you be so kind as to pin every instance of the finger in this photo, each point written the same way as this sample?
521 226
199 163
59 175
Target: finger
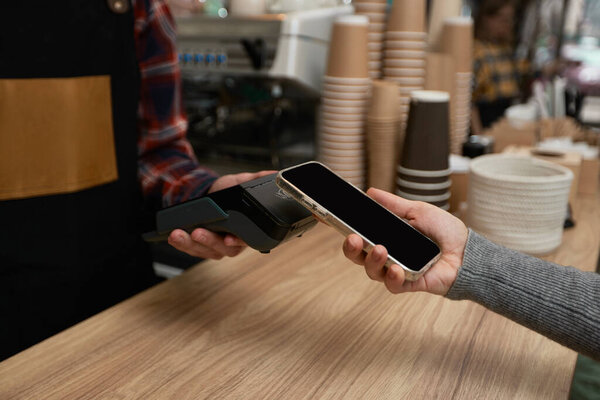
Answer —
353 249
395 279
399 206
248 176
214 242
374 263
233 241
266 172
183 242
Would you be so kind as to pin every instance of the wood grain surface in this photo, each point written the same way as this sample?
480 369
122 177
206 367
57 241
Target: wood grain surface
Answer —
300 323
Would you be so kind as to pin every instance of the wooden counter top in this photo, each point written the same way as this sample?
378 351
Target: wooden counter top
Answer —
300 323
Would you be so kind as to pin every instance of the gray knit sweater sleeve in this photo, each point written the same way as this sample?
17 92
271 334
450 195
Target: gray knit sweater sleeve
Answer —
562 303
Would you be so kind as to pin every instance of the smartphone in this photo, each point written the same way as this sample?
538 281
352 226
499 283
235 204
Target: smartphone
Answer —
349 210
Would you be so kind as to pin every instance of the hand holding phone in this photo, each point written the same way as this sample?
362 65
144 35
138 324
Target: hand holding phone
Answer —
448 231
351 211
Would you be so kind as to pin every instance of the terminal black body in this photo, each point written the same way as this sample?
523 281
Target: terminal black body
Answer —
257 212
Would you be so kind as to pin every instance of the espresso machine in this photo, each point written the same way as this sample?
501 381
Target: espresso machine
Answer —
251 86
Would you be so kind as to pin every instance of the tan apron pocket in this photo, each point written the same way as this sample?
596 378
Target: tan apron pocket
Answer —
56 136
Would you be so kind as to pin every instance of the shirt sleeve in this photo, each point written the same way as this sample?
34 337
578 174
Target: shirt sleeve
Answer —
168 170
561 303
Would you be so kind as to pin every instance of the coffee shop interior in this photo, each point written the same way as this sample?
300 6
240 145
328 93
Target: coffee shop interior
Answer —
487 109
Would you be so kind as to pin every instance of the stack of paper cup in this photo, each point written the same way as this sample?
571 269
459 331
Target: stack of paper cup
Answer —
457 41
423 172
405 50
375 10
346 89
382 134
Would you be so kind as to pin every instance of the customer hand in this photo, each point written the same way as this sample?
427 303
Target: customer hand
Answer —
446 230
206 244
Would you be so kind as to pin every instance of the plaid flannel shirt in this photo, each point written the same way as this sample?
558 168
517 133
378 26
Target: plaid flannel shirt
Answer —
167 168
496 73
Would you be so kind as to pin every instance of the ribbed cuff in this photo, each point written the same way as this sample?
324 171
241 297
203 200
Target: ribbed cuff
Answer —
562 303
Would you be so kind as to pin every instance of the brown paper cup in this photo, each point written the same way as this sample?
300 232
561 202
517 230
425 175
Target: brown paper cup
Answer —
407 15
440 10
457 40
384 100
397 35
348 54
426 142
440 73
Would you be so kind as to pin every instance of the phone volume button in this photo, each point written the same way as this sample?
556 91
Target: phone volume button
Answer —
320 212
307 204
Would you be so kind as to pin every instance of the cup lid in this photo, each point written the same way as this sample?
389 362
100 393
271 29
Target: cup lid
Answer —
352 19
430 96
458 21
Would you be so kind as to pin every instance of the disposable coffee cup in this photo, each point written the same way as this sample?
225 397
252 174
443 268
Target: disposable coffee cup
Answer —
376 36
344 102
384 100
333 134
324 143
375 56
377 27
424 179
341 131
426 198
439 11
423 192
406 44
370 7
405 72
344 95
404 54
338 80
342 124
457 40
341 152
440 73
403 63
375 64
408 15
374 16
342 117
330 87
396 35
342 110
410 184
426 143
375 46
336 131
348 47
354 167
351 160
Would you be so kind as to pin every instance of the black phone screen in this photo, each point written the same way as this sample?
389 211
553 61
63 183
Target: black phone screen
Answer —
404 243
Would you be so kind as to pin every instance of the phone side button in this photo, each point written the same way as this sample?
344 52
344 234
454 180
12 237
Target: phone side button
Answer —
319 212
307 204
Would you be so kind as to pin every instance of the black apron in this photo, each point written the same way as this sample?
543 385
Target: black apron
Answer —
69 243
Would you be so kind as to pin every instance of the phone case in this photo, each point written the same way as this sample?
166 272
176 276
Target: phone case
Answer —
340 225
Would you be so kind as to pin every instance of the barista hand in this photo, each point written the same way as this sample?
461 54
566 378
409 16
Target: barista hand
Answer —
206 244
442 227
